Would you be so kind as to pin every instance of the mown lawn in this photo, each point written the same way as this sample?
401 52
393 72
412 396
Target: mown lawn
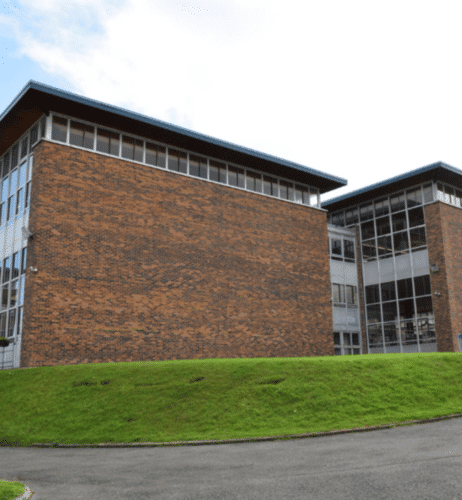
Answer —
10 490
224 398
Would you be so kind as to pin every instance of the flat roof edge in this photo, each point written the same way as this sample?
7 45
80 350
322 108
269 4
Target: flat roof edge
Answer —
407 175
32 84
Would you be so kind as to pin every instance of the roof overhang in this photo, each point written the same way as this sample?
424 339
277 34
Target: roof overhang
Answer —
438 171
36 99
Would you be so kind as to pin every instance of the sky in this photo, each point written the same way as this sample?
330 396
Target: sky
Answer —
362 90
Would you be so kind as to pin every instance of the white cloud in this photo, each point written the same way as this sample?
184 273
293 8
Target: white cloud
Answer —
359 89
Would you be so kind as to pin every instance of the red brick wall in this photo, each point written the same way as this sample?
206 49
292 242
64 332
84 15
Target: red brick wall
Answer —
136 263
444 236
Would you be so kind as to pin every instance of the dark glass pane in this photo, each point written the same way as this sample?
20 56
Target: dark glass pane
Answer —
400 241
346 338
336 338
424 305
3 324
355 338
367 230
199 166
108 142
33 136
372 294
369 250
399 222
384 245
418 237
3 213
270 186
416 217
284 189
408 333
388 291
390 311
24 146
301 194
374 333
217 171
4 304
14 293
16 264
428 193
6 269
383 226
422 285
352 216
132 149
351 295
6 164
406 309
194 165
405 288
174 160
253 181
336 247
11 323
382 207
59 129
349 250
23 260
366 211
291 192
397 202
391 333
81 135
414 197
14 155
11 207
338 219
161 157
236 177
27 198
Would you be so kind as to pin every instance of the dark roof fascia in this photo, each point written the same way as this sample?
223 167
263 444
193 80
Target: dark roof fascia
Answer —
47 98
438 171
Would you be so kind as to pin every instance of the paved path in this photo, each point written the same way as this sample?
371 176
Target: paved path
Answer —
417 462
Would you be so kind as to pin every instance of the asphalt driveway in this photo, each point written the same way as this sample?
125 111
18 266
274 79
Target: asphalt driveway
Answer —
413 462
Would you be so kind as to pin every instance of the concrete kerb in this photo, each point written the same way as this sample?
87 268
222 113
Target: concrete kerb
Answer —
234 441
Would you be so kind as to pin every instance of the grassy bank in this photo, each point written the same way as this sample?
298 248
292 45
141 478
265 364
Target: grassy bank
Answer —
223 399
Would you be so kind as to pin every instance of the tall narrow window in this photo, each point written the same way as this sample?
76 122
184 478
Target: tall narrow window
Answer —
59 129
24 146
270 186
253 181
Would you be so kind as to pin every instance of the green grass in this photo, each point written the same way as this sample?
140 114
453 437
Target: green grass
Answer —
224 398
10 490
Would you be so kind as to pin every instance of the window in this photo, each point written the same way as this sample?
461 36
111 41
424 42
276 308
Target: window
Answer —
132 149
217 171
344 295
177 161
236 177
81 135
155 155
108 142
59 129
336 249
366 211
372 294
346 343
349 250
198 166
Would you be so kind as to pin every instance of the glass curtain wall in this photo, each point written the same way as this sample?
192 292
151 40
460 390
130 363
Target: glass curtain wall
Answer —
16 166
398 300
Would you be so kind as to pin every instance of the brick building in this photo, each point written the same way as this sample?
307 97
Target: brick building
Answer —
125 238
408 233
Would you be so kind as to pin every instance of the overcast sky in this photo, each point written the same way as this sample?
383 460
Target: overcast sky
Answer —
363 90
